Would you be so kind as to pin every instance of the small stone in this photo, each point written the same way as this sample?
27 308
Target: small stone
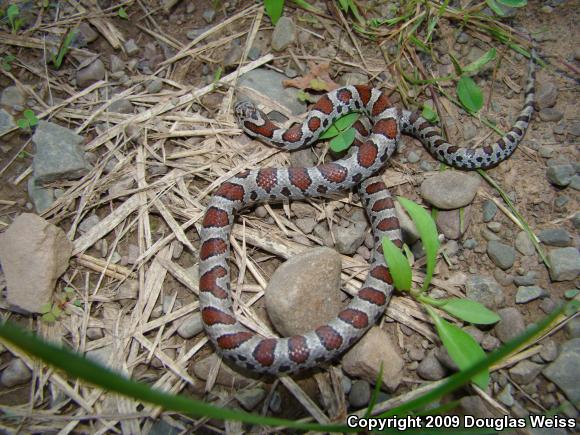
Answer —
155 85
95 333
131 47
576 220
117 64
573 327
450 189
353 78
364 252
232 56
484 290
503 278
87 33
306 225
209 15
546 152
494 226
469 131
88 223
90 74
470 244
13 98
476 333
551 115
451 224
15 373
6 122
42 197
191 326
561 200
250 398
226 376
511 324
560 175
523 244
489 235
426 166
474 406
565 370
549 351
527 294
546 95
121 106
525 280
284 34
555 237
360 394
505 396
416 353
350 238
261 211
413 157
501 254
565 264
525 372
33 254
408 228
364 359
290 302
430 368
275 402
489 210
575 182
490 343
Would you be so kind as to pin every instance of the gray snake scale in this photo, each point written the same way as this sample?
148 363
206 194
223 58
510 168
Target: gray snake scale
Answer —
376 142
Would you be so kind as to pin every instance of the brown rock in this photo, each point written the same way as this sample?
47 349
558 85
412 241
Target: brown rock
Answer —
33 253
365 358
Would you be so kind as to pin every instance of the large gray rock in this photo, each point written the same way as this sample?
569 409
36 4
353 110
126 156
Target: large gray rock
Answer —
33 253
284 34
58 153
511 324
91 73
565 264
304 292
501 254
555 237
15 373
269 83
450 189
565 370
484 290
525 372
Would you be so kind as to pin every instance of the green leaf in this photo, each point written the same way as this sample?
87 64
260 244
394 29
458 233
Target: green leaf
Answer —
49 318
428 232
318 85
571 294
56 311
69 290
398 265
342 140
514 3
469 94
456 65
341 124
63 50
123 13
428 113
12 13
343 5
30 117
462 347
495 8
45 308
22 123
470 311
89 371
487 57
274 9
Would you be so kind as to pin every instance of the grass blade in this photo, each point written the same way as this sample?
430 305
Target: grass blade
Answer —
398 265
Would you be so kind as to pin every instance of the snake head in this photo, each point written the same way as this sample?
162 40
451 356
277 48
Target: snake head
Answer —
246 111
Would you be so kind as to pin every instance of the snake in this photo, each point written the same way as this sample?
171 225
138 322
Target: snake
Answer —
377 137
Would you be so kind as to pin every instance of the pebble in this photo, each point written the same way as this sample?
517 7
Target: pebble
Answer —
546 95
121 106
321 231
523 244
191 326
565 264
6 122
469 131
576 220
525 280
15 373
450 189
501 254
525 372
88 223
503 278
511 324
350 238
470 243
226 376
565 370
489 210
431 368
284 34
474 406
527 294
292 305
561 200
555 237
413 157
573 327
475 332
489 235
426 166
364 359
360 394
575 182
505 396
346 383
33 254
42 197
261 211
444 358
494 226
95 333
13 98
87 33
549 350
90 74
306 224
560 175
484 290
275 402
449 222
546 152
209 15
117 64
364 252
250 398
353 78
550 114
232 56
490 343
58 153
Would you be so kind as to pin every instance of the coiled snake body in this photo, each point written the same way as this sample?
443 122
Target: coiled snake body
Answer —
373 148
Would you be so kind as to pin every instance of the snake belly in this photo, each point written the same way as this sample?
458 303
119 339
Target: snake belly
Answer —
376 141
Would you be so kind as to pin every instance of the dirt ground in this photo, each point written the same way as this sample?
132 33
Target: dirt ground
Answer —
167 152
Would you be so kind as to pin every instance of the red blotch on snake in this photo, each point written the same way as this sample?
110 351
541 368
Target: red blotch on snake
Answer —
373 296
382 273
264 351
213 316
215 217
211 247
333 172
299 177
387 127
298 349
267 178
329 338
231 341
231 191
367 154
208 282
356 318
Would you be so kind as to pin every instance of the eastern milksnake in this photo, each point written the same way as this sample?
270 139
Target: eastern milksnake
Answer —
288 355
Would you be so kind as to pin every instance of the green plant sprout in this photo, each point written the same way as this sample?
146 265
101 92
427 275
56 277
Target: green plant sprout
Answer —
341 132
493 5
122 13
6 62
13 15
461 346
29 120
52 312
58 58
